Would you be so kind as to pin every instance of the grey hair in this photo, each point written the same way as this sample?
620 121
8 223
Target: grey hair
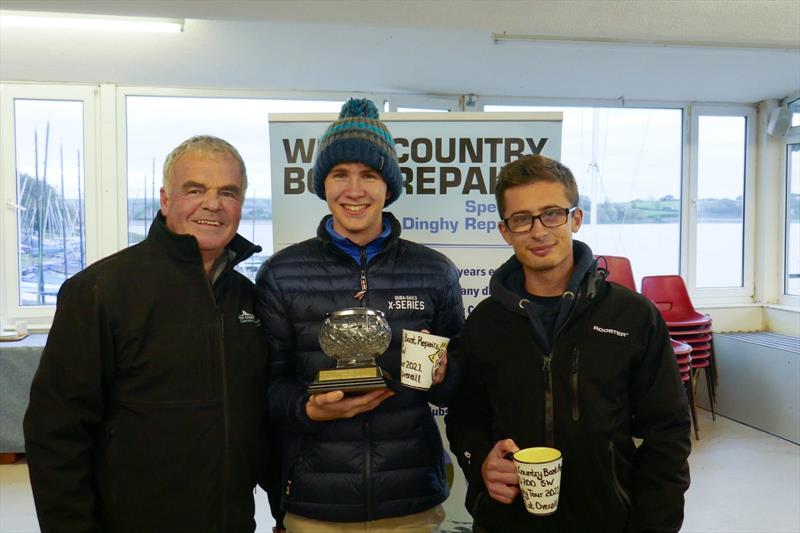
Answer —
206 145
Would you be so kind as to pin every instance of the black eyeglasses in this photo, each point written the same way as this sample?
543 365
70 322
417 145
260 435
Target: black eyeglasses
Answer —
550 218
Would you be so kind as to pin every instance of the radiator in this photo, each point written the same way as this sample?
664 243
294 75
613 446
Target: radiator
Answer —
759 381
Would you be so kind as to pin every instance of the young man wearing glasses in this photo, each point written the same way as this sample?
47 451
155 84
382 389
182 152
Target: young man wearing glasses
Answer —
558 357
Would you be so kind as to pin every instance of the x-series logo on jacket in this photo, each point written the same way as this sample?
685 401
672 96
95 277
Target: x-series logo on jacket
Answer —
610 331
406 302
248 318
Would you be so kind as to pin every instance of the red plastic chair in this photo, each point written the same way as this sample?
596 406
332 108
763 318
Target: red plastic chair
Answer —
619 270
696 339
688 335
672 299
683 356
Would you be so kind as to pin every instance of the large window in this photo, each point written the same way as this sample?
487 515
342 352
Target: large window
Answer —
48 137
627 163
792 261
720 201
47 132
157 124
81 173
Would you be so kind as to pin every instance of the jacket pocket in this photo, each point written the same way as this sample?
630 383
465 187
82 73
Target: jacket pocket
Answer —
297 468
475 507
619 490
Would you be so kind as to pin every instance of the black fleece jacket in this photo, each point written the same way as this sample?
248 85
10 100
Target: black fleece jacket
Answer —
148 410
609 375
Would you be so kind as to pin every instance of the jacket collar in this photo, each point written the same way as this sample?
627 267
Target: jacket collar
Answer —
394 235
185 248
585 279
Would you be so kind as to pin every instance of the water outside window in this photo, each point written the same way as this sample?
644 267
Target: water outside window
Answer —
720 201
157 124
792 265
48 136
627 163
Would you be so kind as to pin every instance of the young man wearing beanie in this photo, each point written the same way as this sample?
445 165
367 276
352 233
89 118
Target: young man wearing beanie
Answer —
374 459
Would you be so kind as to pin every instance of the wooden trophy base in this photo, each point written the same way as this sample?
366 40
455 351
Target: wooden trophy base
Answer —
350 380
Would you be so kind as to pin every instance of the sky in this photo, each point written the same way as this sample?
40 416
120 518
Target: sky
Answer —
616 154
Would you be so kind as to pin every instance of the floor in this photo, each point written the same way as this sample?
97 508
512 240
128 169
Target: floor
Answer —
743 480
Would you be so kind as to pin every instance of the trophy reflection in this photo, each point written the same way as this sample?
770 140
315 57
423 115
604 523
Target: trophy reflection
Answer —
354 337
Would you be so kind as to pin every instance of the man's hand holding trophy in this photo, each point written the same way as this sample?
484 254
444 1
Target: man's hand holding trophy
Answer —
355 338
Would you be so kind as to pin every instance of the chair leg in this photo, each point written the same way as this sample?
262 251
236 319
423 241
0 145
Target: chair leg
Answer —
692 407
712 396
713 366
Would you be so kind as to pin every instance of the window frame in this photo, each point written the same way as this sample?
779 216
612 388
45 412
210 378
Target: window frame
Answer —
721 295
39 317
434 103
792 137
105 155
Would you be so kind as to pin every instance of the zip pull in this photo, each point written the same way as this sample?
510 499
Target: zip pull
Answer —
363 275
363 283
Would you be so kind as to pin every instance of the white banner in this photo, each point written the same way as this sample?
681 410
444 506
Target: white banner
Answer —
450 162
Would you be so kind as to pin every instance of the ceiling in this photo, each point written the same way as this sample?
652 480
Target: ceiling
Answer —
664 50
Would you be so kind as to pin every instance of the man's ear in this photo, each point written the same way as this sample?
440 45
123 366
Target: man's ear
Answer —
164 202
504 232
577 220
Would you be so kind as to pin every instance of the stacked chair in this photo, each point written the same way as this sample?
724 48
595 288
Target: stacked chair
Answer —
683 356
688 326
689 330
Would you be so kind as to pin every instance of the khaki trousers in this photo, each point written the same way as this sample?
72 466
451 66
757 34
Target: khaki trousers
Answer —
424 522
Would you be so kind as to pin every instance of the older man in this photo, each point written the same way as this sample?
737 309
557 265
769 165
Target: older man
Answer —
148 411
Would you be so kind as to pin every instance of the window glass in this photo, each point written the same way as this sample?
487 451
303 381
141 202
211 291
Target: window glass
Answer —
720 201
419 110
792 266
794 107
48 136
627 163
157 124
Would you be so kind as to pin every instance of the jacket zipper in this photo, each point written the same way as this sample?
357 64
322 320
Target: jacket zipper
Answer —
368 468
549 429
361 297
225 414
548 401
362 276
576 414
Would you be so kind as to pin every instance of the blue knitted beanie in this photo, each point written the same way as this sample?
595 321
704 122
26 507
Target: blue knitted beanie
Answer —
358 136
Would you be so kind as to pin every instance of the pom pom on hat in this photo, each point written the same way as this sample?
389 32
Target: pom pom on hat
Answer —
362 107
358 136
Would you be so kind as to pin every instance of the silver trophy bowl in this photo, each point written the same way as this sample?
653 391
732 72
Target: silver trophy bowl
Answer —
355 336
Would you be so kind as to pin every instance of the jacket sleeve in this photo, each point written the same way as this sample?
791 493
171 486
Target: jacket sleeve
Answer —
468 416
661 419
66 409
448 322
287 394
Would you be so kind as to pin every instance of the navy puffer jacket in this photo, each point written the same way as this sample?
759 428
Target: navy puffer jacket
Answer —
387 462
